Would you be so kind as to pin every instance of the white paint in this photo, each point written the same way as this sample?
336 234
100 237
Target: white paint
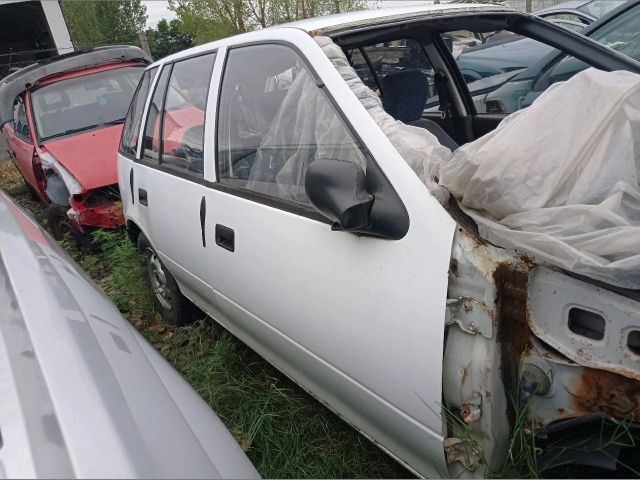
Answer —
57 26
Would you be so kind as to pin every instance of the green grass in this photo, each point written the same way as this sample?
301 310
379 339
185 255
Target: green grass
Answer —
285 432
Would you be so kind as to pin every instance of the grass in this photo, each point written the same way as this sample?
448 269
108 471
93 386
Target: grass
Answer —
284 431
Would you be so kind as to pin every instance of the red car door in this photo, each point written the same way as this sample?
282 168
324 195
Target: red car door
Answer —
19 139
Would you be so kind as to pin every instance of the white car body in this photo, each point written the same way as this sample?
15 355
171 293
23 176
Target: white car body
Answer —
357 321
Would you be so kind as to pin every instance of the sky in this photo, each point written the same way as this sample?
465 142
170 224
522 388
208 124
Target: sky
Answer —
158 9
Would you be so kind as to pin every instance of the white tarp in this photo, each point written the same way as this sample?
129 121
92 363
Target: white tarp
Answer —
558 180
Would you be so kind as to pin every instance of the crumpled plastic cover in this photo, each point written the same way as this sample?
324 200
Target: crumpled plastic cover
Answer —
559 179
419 148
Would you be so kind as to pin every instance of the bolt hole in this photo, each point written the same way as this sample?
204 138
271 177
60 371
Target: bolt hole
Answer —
586 324
633 341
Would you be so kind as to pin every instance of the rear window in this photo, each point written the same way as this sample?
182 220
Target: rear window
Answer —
84 102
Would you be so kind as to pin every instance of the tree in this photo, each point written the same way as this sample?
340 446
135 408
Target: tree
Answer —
94 23
168 38
207 20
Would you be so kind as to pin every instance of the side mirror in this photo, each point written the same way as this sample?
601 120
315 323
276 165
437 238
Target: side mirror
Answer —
337 189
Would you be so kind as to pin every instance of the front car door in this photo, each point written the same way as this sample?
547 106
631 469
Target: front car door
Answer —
357 320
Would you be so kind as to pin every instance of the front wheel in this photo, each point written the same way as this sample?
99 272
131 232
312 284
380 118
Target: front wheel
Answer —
174 307
62 228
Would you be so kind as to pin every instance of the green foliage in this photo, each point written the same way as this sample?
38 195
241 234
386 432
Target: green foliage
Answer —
93 23
205 20
168 38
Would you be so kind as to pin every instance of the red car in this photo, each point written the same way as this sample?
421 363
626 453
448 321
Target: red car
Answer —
62 119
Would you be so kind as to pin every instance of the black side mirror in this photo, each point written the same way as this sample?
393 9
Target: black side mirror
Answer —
337 189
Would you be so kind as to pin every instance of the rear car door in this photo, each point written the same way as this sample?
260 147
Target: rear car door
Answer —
357 320
169 178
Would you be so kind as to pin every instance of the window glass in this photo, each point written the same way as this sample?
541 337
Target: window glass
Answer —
184 114
131 129
20 122
84 102
599 8
151 138
268 136
390 58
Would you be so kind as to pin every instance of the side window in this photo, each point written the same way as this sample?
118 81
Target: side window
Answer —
20 122
132 124
374 63
184 114
273 121
151 138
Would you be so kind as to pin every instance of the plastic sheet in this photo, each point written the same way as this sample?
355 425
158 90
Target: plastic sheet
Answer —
559 179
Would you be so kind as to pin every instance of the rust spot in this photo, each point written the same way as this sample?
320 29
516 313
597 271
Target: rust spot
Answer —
511 321
453 267
599 391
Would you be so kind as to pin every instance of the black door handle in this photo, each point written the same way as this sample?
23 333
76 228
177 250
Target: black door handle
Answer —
142 197
225 237
203 218
133 196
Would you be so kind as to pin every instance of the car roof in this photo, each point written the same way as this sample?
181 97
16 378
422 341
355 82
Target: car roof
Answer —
12 85
330 23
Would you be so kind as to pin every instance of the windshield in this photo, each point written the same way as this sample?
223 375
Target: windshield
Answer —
599 8
84 102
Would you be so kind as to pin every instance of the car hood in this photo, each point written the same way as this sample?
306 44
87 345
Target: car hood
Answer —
83 394
91 156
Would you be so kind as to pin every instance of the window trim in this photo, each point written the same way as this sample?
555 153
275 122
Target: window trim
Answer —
267 200
139 158
143 117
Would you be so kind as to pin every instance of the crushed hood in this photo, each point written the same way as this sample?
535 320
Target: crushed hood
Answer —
89 156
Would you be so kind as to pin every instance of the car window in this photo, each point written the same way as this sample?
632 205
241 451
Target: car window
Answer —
373 63
184 114
20 122
131 129
599 8
621 34
268 135
151 137
83 102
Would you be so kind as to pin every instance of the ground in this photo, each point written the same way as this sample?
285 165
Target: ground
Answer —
285 432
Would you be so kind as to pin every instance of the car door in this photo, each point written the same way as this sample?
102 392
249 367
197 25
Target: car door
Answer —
20 143
357 320
169 182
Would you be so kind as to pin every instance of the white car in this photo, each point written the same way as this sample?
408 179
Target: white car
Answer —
261 190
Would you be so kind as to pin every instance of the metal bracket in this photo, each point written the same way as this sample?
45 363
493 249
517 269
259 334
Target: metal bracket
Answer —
470 315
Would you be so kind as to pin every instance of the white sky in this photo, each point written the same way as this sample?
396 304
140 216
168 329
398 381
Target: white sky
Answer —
158 9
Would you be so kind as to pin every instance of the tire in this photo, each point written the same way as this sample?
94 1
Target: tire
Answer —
62 228
175 308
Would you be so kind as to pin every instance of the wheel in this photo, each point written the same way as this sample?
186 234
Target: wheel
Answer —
62 228
175 308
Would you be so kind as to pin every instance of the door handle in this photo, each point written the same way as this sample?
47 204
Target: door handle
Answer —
133 196
142 197
203 218
225 237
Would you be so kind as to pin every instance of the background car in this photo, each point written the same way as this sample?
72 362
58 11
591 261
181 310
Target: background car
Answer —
62 131
83 394
501 52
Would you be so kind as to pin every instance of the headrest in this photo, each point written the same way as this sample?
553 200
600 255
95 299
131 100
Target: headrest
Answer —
404 94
